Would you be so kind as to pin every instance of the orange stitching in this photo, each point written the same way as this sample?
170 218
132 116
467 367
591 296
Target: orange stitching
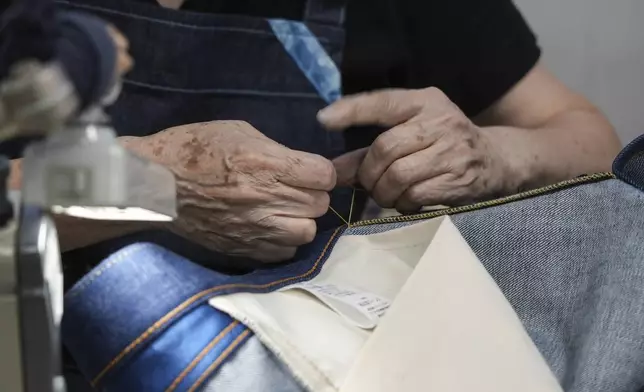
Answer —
202 354
194 298
218 361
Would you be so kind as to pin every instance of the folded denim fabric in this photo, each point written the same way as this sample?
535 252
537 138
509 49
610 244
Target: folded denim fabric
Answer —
144 311
568 257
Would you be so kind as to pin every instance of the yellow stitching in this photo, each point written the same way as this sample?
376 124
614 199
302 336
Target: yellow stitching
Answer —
339 216
219 360
200 356
406 218
492 203
194 298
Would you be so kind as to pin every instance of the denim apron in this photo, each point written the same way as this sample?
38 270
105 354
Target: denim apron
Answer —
569 258
195 67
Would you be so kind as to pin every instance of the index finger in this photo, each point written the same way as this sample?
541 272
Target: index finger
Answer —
305 170
386 108
347 166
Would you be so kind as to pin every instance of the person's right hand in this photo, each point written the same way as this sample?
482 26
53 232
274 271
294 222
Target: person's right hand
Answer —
239 192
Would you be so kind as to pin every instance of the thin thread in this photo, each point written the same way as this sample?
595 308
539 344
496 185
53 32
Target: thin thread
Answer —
353 197
347 222
339 216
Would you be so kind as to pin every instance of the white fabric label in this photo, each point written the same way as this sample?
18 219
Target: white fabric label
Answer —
363 309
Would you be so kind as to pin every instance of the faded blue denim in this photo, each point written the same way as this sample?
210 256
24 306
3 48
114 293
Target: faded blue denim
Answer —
572 265
141 318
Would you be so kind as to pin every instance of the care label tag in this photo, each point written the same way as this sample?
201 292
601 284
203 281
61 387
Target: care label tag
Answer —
361 308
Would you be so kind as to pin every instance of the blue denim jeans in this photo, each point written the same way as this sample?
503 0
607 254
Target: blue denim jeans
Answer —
570 261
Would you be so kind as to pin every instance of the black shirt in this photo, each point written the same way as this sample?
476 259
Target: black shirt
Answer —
473 50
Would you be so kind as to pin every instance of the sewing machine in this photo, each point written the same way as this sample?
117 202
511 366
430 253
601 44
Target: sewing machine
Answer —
77 168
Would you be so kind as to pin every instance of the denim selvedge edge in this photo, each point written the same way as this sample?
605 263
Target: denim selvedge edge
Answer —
136 294
214 337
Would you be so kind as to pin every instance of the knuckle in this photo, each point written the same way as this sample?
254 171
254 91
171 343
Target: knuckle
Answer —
399 173
321 204
459 122
434 93
302 232
308 231
468 179
328 176
382 146
267 222
419 129
289 163
414 195
458 167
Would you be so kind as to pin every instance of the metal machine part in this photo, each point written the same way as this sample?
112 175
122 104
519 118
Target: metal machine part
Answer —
85 172
10 344
40 301
79 169
37 98
31 302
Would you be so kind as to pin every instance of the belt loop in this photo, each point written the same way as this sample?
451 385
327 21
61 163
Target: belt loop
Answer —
328 12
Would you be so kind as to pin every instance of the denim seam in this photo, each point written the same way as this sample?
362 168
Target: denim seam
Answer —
220 359
87 282
208 348
257 93
174 24
170 315
557 187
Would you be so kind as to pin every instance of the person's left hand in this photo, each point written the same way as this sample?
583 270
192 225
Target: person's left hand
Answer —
432 155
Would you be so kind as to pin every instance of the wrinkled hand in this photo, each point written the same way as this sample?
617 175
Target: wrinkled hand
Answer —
239 192
432 155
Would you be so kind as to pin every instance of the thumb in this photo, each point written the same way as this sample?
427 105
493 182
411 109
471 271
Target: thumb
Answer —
348 165
385 108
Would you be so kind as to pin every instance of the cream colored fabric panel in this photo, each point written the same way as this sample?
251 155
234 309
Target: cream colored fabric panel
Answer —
318 344
450 330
